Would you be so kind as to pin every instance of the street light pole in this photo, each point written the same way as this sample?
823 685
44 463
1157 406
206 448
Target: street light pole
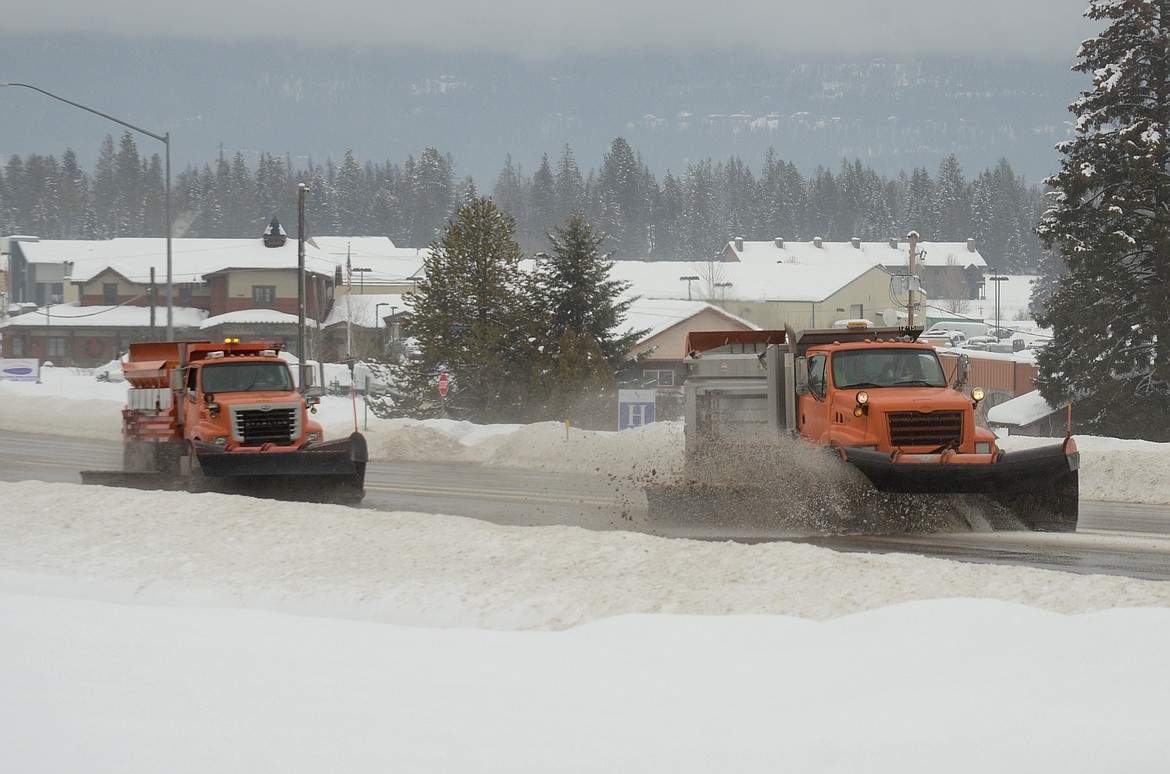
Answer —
997 279
165 139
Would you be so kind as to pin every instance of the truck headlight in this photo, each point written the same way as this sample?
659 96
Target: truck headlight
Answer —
983 447
978 394
219 440
312 436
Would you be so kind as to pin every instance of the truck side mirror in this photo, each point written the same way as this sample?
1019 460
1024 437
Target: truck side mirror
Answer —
304 377
801 376
962 372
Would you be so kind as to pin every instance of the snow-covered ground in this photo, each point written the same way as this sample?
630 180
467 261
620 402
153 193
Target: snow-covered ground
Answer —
152 631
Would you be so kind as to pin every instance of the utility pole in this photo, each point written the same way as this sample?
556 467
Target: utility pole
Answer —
913 236
302 189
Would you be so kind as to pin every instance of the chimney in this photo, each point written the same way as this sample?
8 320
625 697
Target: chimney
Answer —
780 243
817 242
894 242
275 236
970 245
739 244
856 243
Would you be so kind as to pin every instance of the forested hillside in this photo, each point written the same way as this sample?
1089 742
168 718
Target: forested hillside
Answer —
688 215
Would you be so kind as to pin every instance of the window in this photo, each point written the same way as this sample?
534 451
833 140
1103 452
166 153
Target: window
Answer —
816 374
660 378
245 377
110 293
185 295
875 367
263 294
55 346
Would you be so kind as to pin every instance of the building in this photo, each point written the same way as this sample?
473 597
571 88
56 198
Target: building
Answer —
951 270
209 278
661 349
771 295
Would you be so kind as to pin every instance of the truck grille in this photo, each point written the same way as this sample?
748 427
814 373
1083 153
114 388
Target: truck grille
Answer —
253 427
934 429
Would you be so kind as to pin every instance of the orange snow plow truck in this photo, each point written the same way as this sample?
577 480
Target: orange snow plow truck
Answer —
228 418
759 404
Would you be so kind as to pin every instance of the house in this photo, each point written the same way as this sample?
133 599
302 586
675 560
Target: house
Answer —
267 325
89 336
210 277
952 270
769 295
667 322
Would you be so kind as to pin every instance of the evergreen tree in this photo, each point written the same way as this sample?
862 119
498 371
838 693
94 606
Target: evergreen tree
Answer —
543 194
576 293
511 195
431 195
824 201
919 210
569 187
105 192
621 202
700 237
1109 219
472 317
131 188
583 310
352 198
668 219
954 200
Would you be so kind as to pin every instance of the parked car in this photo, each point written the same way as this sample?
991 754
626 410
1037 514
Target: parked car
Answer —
943 338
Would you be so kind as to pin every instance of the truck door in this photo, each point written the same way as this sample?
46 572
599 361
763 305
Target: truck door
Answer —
813 407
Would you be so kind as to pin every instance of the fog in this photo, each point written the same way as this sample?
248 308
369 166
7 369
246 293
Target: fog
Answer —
537 29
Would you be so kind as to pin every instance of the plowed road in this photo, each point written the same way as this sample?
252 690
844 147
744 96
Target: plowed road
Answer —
1112 538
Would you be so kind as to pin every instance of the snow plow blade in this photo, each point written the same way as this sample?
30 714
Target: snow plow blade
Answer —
331 472
328 472
1039 486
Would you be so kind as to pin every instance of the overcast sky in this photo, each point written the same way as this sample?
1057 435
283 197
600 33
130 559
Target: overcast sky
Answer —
536 28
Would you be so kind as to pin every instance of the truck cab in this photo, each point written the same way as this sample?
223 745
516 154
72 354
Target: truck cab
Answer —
241 398
887 395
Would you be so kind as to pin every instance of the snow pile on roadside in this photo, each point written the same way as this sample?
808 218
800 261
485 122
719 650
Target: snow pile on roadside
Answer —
175 548
546 446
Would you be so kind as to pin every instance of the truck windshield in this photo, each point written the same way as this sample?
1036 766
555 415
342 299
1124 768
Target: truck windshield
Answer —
246 377
892 367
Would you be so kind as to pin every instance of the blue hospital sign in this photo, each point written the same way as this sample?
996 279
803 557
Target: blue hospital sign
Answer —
635 408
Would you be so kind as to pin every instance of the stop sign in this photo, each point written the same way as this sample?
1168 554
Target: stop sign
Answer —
444 384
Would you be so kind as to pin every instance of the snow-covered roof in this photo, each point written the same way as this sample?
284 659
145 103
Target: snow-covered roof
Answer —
364 310
75 316
255 317
356 246
1020 411
191 259
655 315
386 263
748 281
821 253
